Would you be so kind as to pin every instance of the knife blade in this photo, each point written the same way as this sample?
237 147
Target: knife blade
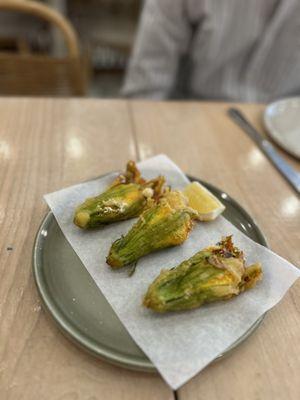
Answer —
292 176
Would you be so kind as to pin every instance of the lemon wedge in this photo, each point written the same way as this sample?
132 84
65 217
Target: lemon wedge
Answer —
203 201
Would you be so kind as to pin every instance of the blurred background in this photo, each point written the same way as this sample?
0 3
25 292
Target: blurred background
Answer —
66 47
232 50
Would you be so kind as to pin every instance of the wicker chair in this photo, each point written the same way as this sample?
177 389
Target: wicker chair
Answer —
43 75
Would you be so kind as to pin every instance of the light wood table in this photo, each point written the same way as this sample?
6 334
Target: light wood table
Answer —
47 144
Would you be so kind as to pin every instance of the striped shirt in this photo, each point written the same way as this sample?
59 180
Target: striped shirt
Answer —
246 50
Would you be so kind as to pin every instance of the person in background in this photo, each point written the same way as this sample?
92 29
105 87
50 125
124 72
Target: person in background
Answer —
243 50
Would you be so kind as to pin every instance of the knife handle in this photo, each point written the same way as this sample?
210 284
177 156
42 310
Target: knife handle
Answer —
292 176
239 118
285 169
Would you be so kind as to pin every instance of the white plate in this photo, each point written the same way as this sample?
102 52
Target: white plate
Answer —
282 120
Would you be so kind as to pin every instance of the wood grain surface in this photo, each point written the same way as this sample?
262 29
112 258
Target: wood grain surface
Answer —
47 144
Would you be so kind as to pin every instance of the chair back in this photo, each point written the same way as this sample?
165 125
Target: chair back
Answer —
33 74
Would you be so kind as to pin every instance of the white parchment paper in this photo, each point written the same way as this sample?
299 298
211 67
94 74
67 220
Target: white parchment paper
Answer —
179 344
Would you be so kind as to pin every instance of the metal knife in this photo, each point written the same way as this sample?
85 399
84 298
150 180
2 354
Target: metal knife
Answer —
292 176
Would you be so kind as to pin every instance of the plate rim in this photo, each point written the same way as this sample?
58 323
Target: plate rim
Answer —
66 327
270 130
113 357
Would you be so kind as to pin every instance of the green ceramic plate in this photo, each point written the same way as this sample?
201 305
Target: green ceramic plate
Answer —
79 308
